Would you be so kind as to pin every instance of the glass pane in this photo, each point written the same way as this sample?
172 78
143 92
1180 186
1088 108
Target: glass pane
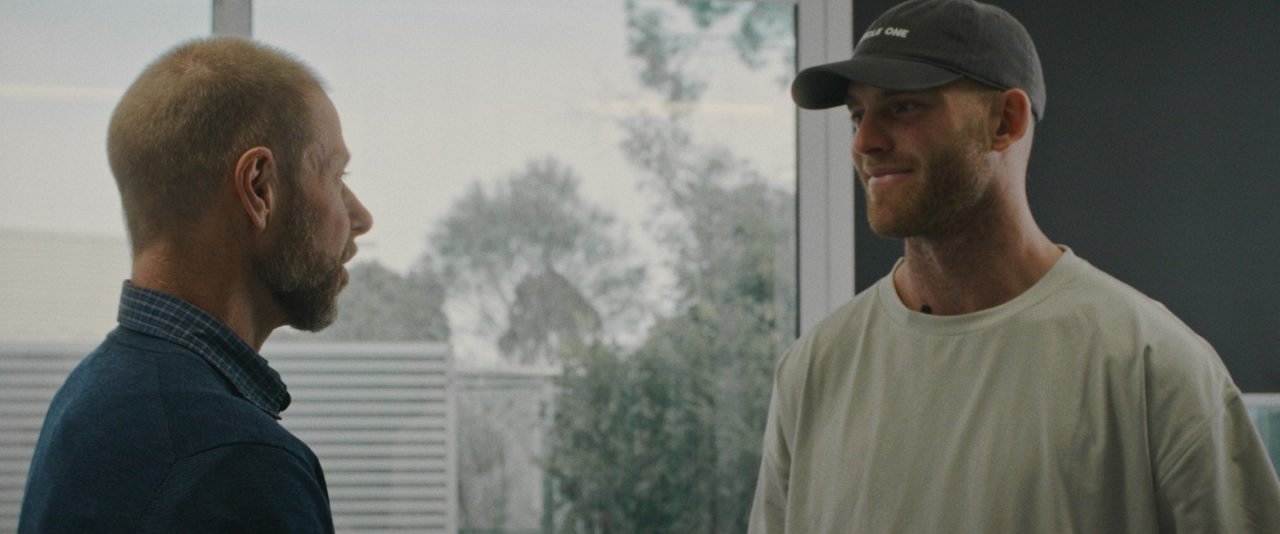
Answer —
63 254
590 206
63 66
1264 409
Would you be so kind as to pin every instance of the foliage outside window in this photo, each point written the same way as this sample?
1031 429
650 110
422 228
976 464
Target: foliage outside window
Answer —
658 401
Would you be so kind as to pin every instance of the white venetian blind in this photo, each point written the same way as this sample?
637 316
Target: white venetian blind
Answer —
381 418
29 376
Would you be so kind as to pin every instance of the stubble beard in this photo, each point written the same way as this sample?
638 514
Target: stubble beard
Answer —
956 193
302 278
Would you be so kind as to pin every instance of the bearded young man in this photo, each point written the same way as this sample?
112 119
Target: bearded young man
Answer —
993 381
229 159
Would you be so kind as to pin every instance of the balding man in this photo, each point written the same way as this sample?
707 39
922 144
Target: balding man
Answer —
229 159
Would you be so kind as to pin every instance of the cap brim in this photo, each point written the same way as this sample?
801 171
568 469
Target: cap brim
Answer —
827 86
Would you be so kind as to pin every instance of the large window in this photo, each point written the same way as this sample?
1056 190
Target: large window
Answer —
583 266
582 269
598 223
63 66
593 204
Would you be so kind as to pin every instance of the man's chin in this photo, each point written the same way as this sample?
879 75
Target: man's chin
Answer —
314 319
314 309
888 227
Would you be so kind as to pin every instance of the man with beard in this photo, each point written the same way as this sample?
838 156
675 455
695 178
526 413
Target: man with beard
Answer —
229 158
993 381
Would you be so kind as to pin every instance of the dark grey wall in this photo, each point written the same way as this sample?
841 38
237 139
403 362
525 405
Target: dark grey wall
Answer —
1158 159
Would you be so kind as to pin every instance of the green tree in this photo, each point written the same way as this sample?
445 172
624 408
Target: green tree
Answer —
666 438
667 45
622 444
484 482
536 265
548 315
679 420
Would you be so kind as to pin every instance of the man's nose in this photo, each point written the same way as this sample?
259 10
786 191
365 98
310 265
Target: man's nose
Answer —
361 219
870 135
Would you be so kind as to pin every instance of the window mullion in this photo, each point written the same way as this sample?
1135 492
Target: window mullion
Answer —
233 17
825 209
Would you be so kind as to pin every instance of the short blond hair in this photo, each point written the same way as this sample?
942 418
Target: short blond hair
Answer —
179 130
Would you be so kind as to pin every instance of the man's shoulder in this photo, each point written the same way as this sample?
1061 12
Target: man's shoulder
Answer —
154 392
116 383
130 414
1126 324
1105 300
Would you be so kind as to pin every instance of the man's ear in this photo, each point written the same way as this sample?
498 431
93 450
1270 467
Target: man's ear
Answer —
1013 108
257 185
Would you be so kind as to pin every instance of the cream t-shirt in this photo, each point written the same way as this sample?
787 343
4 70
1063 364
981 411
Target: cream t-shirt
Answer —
1079 406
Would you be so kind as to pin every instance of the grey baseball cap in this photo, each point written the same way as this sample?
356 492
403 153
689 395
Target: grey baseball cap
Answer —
921 44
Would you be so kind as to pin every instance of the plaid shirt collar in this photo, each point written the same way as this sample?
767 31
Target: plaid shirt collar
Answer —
170 318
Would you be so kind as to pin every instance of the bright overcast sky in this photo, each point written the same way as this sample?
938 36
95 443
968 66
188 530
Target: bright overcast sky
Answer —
433 95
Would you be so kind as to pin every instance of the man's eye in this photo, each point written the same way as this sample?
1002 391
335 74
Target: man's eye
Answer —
904 107
855 118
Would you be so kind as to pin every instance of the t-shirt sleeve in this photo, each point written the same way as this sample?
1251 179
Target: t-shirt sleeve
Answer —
1212 471
773 485
1222 482
768 509
247 488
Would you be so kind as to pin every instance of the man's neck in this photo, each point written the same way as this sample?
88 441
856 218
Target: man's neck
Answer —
211 284
975 271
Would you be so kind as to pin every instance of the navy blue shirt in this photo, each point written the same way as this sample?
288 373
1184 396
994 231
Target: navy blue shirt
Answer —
170 425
